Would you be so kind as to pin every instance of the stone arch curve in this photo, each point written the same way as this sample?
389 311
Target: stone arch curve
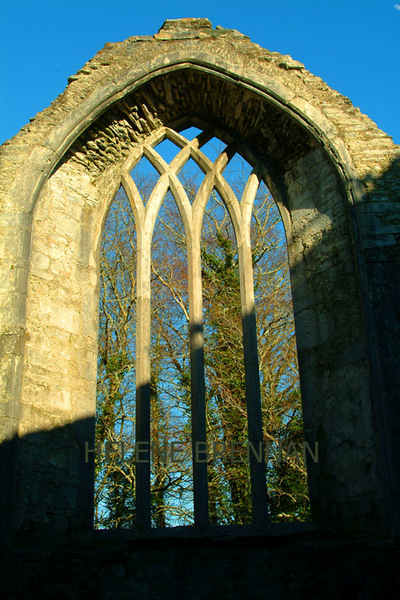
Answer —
321 159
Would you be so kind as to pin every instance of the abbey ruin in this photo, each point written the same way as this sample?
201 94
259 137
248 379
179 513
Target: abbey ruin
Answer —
335 178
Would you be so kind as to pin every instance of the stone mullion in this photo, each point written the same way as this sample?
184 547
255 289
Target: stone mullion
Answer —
143 273
198 391
241 216
192 218
252 372
143 498
198 407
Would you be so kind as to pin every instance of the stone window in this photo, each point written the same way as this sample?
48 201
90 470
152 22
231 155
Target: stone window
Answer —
333 174
192 202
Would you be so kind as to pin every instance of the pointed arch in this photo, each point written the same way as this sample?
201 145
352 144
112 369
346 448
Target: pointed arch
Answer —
60 174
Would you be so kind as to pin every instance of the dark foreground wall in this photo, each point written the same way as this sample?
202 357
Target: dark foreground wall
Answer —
306 566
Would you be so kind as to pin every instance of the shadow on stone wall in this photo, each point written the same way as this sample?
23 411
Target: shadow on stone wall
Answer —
46 484
379 223
48 564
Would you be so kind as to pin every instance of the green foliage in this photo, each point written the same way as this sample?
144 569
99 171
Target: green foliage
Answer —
229 492
287 476
120 510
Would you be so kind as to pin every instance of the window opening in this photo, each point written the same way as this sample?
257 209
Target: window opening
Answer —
115 408
237 173
191 177
190 133
213 148
167 149
172 474
228 468
279 374
145 176
210 245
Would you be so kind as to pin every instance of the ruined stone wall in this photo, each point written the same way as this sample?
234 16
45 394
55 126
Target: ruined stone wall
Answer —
280 568
334 175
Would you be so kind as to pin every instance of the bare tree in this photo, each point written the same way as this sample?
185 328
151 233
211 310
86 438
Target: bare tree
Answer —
229 490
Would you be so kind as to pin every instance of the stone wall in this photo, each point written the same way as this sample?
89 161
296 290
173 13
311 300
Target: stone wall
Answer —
280 568
334 175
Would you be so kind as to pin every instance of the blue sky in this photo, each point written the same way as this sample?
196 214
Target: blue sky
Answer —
352 44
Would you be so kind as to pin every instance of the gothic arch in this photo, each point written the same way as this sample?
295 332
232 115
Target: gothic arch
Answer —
321 159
